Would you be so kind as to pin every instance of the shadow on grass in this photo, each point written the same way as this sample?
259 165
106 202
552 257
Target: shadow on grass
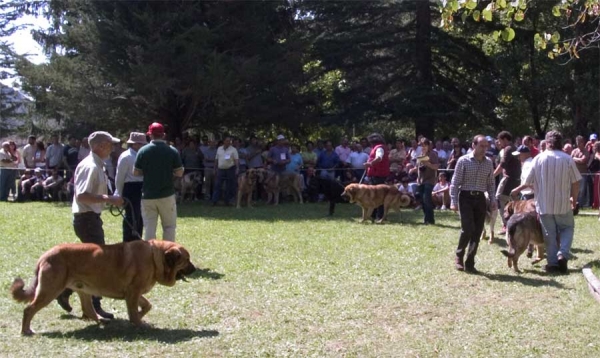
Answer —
581 251
206 273
527 281
122 330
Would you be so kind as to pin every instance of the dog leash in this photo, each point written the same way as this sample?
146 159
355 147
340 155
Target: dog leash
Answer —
363 176
120 211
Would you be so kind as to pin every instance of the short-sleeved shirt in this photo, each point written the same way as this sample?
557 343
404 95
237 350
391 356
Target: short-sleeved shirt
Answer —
54 154
90 178
552 175
72 155
426 174
157 161
295 163
29 156
209 154
226 157
581 154
277 154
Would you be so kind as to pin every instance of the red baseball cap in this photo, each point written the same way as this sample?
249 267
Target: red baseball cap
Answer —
156 128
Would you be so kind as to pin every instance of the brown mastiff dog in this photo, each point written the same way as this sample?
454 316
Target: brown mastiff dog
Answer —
370 197
292 183
123 271
524 206
246 185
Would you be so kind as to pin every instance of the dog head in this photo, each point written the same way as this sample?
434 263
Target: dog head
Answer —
175 261
350 192
251 175
509 210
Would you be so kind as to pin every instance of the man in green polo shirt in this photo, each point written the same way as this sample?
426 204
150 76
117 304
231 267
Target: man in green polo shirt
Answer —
158 163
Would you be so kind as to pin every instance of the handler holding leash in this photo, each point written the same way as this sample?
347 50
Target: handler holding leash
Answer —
473 176
378 166
91 189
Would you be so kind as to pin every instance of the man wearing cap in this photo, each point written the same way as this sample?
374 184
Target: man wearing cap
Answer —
91 195
556 197
279 155
158 163
129 187
29 152
524 155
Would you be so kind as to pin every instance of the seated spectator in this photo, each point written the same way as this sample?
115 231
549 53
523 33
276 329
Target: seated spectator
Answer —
349 177
35 185
441 193
51 186
442 154
397 157
23 193
404 188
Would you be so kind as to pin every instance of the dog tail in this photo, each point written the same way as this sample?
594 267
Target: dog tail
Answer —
22 294
510 232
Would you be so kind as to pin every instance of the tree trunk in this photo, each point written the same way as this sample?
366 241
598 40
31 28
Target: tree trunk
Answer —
425 125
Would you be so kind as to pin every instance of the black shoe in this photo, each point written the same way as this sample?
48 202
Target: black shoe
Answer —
562 264
99 310
458 263
63 300
470 266
551 269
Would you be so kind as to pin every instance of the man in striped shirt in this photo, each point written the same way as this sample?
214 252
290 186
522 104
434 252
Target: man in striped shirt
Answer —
473 176
555 180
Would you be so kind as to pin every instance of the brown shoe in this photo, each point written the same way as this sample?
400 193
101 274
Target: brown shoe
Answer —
459 264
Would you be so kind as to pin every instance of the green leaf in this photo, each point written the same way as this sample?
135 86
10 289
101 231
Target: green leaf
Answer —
508 34
519 16
471 4
487 15
476 15
501 3
496 35
454 5
522 4
464 16
556 11
555 37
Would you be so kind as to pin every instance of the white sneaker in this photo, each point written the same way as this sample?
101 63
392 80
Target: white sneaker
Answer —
444 207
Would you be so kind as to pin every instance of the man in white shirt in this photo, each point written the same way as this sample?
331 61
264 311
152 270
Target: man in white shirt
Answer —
357 160
555 180
524 154
228 168
129 186
29 152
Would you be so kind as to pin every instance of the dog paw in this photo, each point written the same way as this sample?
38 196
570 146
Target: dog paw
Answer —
28 332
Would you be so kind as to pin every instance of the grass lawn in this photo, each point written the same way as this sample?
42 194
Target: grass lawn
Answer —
286 281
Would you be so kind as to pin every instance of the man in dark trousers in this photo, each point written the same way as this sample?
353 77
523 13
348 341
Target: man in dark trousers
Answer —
91 194
473 176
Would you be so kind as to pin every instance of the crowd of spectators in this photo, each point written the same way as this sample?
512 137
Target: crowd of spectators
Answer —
43 171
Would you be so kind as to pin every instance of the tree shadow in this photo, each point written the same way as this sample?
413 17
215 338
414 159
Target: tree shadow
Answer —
123 330
206 273
527 281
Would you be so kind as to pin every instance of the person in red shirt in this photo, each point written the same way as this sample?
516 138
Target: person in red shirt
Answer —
528 141
378 165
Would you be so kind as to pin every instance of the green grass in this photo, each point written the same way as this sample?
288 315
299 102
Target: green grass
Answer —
286 281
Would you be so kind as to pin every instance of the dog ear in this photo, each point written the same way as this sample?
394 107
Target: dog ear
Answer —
172 256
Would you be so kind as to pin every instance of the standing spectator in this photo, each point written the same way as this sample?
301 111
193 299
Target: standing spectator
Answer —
238 144
158 163
129 186
320 148
427 179
40 155
90 197
455 153
529 141
209 152
295 160
357 160
29 152
328 161
70 157
568 148
191 158
594 169
84 149
364 143
342 151
279 155
7 170
581 157
54 153
555 181
228 167
414 151
397 156
16 164
473 177
524 156
253 154
309 157
378 166
442 154
510 167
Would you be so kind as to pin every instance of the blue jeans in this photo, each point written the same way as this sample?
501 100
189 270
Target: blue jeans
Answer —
583 196
558 235
427 202
228 177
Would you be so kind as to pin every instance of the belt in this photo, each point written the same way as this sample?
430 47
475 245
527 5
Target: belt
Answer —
86 213
472 192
